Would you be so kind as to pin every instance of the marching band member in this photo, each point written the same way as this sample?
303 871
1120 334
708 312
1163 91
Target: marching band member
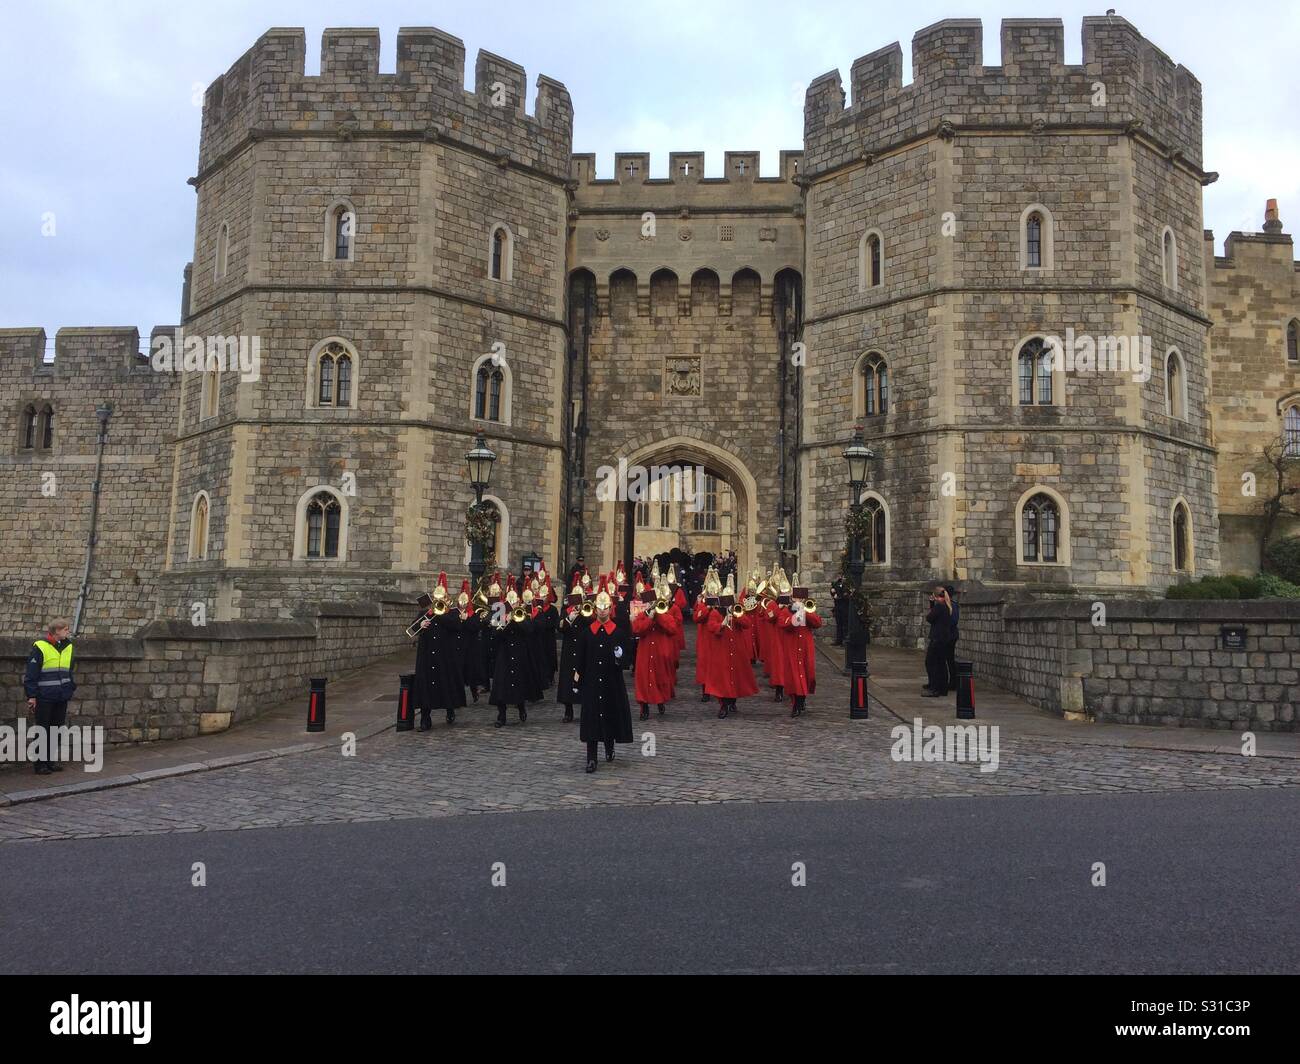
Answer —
678 602
731 674
570 625
514 679
606 716
439 683
703 641
800 658
467 641
656 626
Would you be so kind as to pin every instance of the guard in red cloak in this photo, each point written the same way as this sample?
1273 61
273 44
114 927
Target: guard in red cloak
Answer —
799 657
704 643
730 675
656 655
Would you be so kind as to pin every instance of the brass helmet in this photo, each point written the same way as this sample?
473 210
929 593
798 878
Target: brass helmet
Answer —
527 596
440 591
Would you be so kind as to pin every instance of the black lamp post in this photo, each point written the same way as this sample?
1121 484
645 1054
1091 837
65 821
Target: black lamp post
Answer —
858 455
479 459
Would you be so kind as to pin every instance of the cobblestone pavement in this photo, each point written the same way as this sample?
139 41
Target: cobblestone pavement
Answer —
760 756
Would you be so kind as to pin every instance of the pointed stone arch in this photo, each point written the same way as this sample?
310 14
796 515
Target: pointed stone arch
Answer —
688 450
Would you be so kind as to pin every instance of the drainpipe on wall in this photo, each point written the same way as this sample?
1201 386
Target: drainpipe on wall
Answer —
103 411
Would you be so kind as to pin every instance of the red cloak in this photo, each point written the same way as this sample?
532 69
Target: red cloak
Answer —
656 656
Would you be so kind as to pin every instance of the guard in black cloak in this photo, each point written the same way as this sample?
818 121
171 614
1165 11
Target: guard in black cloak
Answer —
514 679
571 625
623 617
439 683
606 715
467 641
548 614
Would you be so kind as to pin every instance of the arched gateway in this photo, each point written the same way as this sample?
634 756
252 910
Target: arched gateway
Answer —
680 453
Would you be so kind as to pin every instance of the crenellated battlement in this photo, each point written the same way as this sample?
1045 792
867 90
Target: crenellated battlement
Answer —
684 168
1033 87
267 93
81 355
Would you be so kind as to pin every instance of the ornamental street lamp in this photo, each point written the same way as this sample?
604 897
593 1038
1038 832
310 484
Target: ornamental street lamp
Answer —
479 459
858 455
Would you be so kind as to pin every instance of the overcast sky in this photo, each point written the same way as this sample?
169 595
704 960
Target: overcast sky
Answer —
100 129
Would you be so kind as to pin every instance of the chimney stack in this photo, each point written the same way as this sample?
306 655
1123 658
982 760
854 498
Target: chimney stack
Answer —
1272 224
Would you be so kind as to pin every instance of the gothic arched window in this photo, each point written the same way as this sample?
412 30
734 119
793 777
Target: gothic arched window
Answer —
875 386
1040 527
334 375
487 392
28 434
1034 366
323 519
1182 539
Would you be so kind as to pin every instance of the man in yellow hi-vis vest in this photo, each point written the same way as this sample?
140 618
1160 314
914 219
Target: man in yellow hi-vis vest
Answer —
49 685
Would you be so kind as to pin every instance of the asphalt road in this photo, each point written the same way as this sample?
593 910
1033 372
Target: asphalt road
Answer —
1197 882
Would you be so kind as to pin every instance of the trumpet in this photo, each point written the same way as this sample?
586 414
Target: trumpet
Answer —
439 607
519 614
809 605
661 606
587 610
737 610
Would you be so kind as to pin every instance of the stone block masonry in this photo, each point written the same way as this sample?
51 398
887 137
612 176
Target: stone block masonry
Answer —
1150 662
175 680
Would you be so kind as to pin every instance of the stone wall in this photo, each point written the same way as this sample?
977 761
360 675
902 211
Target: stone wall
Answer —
1150 662
1254 293
174 680
944 170
683 350
46 493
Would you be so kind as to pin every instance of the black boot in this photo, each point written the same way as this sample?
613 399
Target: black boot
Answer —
591 764
645 712
609 751
474 691
501 717
779 695
722 709
704 697
661 709
568 713
425 722
523 714
592 747
451 716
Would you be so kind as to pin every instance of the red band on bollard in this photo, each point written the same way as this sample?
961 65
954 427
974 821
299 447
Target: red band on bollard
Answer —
311 712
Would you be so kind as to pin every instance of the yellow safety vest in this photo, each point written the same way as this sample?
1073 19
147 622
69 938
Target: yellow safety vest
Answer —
56 669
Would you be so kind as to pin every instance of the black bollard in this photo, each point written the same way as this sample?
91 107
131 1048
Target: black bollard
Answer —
316 705
965 690
405 718
858 673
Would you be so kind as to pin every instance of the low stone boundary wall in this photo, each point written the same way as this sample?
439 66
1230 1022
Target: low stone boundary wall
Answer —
1149 662
173 680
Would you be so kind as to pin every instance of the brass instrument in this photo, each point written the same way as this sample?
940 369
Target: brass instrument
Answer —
737 610
481 613
661 606
587 610
439 608
519 614
809 605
